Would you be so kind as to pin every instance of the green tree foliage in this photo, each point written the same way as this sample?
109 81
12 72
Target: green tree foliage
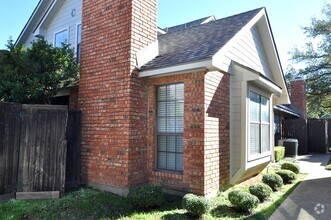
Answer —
35 74
316 61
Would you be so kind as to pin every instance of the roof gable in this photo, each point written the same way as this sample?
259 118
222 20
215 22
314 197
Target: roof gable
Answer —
198 42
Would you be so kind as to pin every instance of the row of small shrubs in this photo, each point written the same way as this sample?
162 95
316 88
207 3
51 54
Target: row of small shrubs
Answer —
149 196
246 201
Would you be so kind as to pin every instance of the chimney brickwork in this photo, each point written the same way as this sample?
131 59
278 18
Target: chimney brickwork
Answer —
298 96
112 98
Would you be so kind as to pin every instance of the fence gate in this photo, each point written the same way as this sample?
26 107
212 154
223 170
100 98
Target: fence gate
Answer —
296 128
318 135
73 151
33 149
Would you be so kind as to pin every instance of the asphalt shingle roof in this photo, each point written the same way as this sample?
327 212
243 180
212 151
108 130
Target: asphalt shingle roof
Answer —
198 42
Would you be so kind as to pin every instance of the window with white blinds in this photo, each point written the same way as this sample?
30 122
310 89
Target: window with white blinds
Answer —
259 126
170 127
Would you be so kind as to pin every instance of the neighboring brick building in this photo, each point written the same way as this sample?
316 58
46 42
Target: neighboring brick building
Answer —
298 96
189 107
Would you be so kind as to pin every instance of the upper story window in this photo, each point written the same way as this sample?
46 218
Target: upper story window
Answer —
79 41
170 127
259 124
61 37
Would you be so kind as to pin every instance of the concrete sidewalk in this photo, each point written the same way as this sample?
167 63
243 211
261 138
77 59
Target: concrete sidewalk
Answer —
312 198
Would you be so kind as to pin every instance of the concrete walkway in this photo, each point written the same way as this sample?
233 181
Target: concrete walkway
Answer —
312 198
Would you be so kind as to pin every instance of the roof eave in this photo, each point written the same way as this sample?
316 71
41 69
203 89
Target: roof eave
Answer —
279 108
200 65
29 26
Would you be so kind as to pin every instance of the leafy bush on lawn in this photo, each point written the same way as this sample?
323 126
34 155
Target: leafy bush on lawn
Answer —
243 200
288 176
291 166
279 153
273 180
195 205
146 197
261 191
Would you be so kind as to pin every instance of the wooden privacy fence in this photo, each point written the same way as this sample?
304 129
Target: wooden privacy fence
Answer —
296 128
314 135
33 149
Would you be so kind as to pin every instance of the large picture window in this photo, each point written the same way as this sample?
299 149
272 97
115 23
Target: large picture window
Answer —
170 127
61 37
259 118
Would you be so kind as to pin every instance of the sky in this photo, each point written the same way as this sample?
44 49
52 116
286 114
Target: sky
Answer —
287 17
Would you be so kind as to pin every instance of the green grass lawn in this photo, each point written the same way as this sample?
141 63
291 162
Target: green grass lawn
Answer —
93 204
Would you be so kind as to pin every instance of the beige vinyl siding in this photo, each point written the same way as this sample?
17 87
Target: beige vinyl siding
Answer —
63 20
248 51
235 123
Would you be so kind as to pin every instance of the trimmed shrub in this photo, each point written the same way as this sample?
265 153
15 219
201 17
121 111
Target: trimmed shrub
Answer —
279 153
195 205
291 166
261 191
243 200
287 175
273 180
146 197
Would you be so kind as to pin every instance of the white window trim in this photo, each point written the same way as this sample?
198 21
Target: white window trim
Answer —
59 31
76 38
254 157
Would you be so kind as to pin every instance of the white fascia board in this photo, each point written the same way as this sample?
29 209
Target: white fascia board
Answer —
178 69
29 23
147 54
273 57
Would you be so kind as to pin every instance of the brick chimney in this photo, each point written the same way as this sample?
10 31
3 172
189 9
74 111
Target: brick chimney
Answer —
112 98
298 95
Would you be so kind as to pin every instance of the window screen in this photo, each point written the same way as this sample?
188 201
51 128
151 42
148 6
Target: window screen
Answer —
61 37
170 127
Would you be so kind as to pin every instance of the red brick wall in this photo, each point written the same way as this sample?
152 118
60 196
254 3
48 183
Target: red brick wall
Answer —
192 178
112 99
206 134
298 96
217 139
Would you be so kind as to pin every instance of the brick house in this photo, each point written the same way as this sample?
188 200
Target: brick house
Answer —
189 108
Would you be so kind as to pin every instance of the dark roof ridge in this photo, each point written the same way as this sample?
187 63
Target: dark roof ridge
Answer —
217 20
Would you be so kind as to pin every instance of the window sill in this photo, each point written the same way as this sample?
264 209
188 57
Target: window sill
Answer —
258 159
168 174
253 157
